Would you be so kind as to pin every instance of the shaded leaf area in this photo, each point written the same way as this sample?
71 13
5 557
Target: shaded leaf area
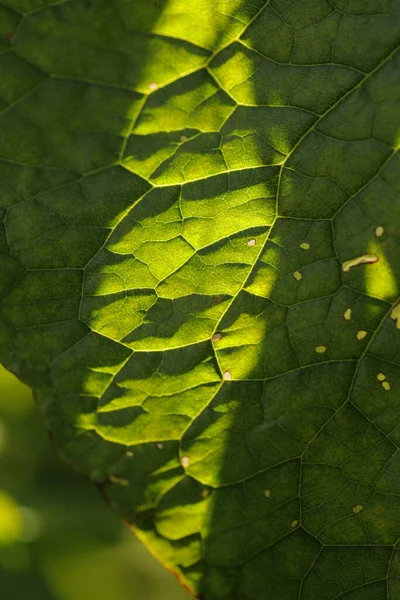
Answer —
200 277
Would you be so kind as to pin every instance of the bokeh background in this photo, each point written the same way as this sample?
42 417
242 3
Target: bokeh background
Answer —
58 539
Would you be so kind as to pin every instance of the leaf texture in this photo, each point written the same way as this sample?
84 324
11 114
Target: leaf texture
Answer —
199 276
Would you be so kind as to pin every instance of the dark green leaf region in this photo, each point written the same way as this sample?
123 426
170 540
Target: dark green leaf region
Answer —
200 274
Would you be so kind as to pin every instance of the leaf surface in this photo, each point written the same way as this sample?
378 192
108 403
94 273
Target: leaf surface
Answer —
199 276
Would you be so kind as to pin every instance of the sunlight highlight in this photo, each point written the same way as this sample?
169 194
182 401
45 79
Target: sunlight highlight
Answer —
380 280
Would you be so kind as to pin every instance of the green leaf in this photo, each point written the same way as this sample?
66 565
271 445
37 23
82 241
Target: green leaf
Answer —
200 273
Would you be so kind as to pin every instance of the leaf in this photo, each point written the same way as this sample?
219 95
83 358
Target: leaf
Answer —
200 277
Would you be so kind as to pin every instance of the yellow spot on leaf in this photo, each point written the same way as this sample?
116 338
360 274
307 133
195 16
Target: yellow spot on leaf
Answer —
153 86
297 275
320 349
159 446
129 454
305 246
357 509
395 315
386 385
251 242
381 377
379 231
362 334
183 138
185 462
347 314
227 375
360 260
267 493
205 492
216 337
295 523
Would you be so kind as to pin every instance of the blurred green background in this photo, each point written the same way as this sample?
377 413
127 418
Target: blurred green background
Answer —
58 539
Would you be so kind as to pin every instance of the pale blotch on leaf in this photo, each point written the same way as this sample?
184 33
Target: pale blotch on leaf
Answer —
362 334
297 275
347 314
153 86
395 315
386 385
159 446
379 231
294 523
251 242
357 509
129 454
305 246
359 260
227 375
216 337
183 138
267 493
381 377
320 349
205 492
185 462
